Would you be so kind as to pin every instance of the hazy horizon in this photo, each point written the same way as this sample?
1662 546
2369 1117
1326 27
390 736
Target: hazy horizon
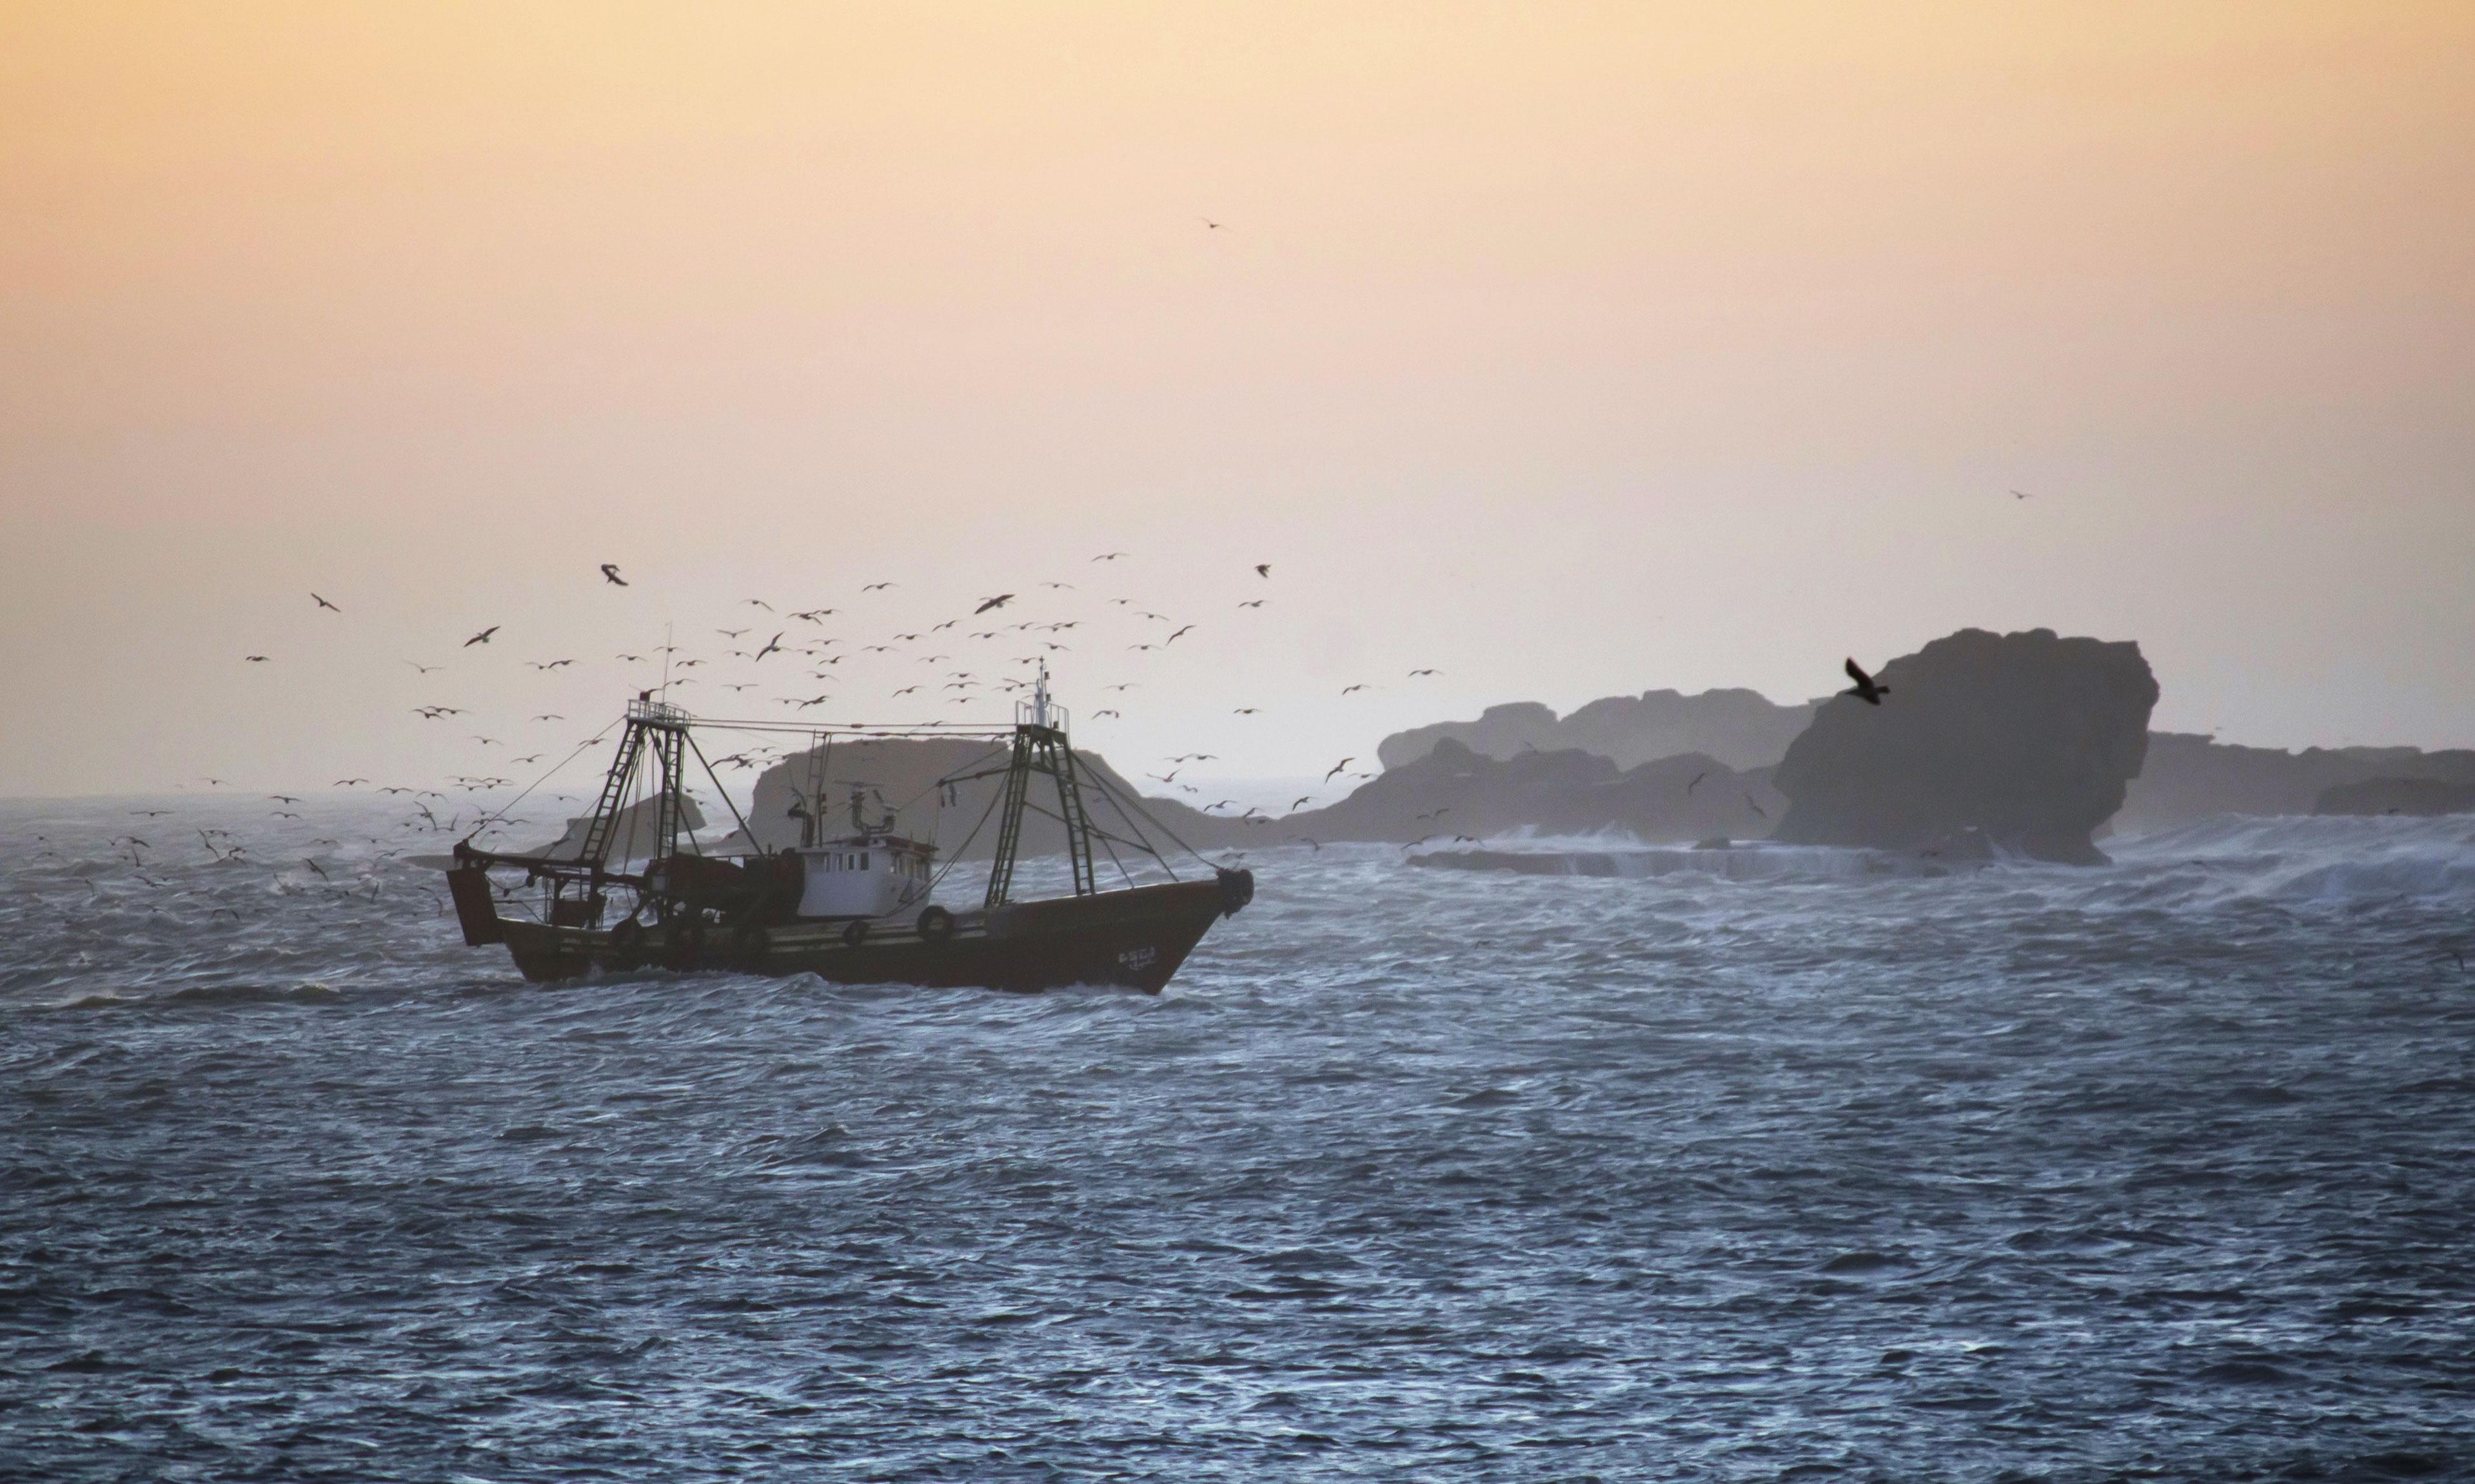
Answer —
1569 351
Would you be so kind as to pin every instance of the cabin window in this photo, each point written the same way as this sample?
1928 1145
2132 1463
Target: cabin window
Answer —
863 860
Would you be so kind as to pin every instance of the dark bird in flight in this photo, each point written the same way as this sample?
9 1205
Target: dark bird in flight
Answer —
998 601
1056 584
734 633
481 638
255 659
1336 768
1360 686
610 574
1245 711
1120 715
424 668
1865 689
2019 494
1263 568
1173 637
1755 808
283 798
151 813
550 715
758 602
1108 556
1256 603
771 646
633 659
1416 674
873 586
906 689
1318 844
322 603
1300 799
1696 781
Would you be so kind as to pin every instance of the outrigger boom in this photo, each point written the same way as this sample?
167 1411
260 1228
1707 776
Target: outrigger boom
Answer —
853 908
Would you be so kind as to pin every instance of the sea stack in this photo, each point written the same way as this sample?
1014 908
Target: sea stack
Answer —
1987 742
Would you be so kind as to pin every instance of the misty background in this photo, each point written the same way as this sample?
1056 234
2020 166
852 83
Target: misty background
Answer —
1569 352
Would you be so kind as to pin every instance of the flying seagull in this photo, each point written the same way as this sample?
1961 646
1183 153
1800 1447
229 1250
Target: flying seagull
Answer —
255 659
322 603
998 601
1263 568
1865 689
610 574
481 638
1336 768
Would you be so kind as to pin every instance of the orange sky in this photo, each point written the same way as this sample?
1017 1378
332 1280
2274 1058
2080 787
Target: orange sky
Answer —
1571 349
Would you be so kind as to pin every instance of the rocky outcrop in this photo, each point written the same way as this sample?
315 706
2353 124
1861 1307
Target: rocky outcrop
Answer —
1741 729
1454 791
2421 796
903 775
631 839
2190 777
2020 742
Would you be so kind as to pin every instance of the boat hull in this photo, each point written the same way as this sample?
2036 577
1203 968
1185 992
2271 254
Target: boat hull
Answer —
1136 938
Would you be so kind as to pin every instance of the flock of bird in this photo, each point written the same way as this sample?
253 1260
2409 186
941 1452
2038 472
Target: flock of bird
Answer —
795 658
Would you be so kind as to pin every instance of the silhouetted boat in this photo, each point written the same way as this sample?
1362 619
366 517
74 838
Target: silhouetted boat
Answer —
852 909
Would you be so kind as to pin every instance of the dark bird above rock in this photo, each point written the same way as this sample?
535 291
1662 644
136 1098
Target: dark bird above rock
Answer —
998 601
1337 768
481 638
610 574
1865 689
322 603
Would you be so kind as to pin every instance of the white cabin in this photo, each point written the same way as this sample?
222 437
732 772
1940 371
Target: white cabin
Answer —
864 876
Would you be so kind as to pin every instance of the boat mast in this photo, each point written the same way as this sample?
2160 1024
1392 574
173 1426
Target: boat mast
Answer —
1041 747
665 730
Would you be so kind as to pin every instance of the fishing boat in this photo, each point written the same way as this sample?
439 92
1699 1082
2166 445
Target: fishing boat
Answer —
853 907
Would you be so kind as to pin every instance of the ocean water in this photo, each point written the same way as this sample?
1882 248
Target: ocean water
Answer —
2157 1169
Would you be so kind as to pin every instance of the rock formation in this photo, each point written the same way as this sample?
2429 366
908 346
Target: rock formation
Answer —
901 774
2189 777
2423 796
2022 742
1454 791
1740 728
631 840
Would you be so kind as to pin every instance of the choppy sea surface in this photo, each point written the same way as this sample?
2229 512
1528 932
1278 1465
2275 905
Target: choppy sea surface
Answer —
2157 1169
